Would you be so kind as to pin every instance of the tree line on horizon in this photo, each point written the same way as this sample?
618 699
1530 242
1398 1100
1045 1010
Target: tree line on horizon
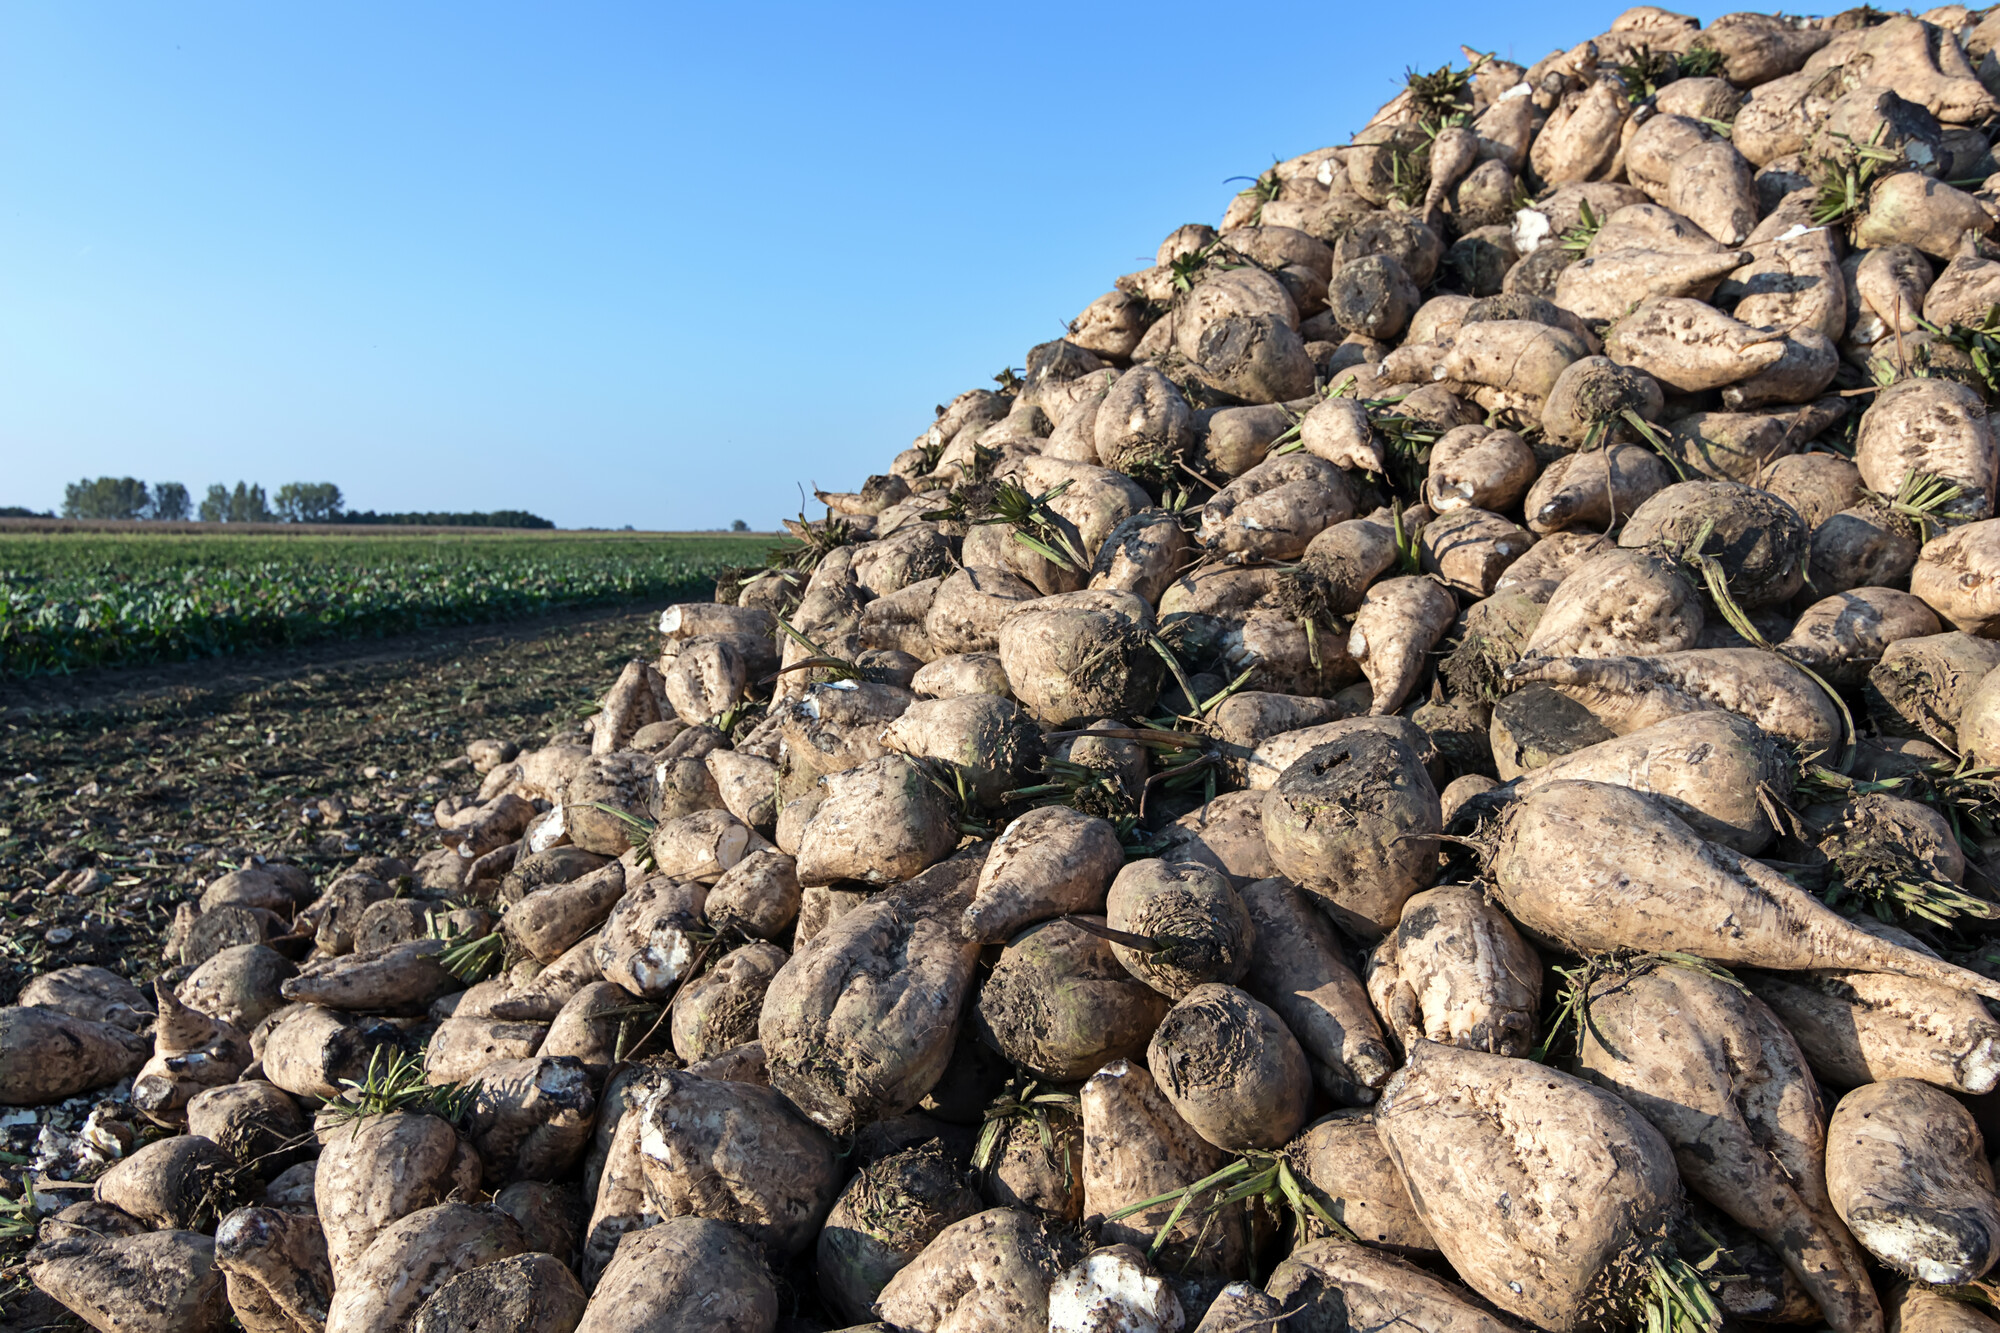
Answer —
295 502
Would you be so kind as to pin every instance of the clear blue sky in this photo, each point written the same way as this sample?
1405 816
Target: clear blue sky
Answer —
644 264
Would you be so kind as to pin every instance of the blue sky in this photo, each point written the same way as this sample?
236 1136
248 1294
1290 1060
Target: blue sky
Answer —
643 264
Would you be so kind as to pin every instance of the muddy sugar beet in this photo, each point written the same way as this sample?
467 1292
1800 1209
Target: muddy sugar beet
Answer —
1430 761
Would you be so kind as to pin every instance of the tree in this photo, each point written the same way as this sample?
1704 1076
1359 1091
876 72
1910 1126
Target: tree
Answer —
310 502
170 502
499 518
739 526
245 504
248 505
106 497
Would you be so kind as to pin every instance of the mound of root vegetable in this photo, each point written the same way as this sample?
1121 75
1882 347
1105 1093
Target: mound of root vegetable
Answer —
1435 760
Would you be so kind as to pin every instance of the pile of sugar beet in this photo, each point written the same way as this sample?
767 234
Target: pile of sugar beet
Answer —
1433 763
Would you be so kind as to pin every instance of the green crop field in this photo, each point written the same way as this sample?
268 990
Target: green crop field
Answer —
74 600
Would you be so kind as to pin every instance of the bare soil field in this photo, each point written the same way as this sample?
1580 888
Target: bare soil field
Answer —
133 787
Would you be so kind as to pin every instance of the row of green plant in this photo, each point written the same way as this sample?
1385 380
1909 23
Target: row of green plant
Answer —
70 602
